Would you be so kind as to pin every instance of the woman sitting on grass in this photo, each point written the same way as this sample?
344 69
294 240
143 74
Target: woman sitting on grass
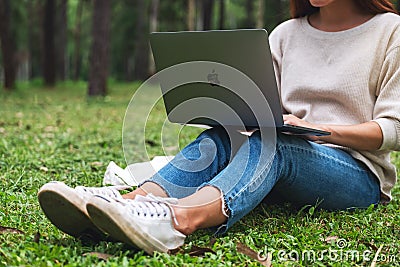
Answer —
338 69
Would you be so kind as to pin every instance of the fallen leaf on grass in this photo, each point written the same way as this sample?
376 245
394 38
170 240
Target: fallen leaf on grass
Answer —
96 163
375 260
369 244
36 238
151 143
99 255
10 230
195 251
330 239
44 169
199 251
50 129
242 248
212 241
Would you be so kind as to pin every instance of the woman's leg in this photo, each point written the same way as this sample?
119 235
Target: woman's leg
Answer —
196 164
304 172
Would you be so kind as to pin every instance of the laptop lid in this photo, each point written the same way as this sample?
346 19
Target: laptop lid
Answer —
232 79
245 51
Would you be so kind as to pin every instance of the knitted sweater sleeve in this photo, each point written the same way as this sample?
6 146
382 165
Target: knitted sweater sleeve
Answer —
387 107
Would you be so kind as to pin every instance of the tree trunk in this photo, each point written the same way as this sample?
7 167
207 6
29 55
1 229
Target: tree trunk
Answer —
207 14
7 45
35 15
280 12
49 53
260 13
249 23
154 9
221 23
77 60
99 58
191 15
142 46
61 38
199 15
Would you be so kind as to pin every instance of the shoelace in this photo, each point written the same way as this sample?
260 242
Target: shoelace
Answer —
109 191
151 205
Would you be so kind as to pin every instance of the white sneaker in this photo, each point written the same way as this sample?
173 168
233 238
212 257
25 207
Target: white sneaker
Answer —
145 222
65 207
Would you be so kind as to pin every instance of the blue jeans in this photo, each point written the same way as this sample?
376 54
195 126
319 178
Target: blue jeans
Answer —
303 172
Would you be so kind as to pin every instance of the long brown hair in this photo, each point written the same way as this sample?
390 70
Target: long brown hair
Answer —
301 8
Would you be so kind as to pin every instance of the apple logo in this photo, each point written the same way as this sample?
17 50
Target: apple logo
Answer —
213 78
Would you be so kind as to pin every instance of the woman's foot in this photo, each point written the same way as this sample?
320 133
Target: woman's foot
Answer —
65 207
147 222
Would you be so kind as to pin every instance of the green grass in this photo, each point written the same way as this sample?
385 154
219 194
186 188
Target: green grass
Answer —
59 134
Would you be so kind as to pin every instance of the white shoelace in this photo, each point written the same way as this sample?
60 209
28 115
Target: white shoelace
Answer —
108 191
151 206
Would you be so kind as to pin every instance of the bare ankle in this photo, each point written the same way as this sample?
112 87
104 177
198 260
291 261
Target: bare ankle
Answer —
132 195
186 223
146 188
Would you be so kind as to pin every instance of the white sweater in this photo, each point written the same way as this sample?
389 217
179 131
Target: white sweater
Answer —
344 78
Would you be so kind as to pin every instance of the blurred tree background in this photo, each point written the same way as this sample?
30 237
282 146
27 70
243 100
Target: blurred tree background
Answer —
96 40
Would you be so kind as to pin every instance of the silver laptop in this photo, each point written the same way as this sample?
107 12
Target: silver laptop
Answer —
223 77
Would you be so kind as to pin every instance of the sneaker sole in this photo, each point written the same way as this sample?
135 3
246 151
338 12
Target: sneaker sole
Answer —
61 205
106 217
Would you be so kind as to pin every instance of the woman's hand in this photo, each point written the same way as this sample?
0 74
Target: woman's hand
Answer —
293 120
364 136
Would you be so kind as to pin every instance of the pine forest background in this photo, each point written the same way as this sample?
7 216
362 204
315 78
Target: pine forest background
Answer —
47 41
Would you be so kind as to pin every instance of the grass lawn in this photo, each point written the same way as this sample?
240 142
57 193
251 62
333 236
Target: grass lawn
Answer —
58 134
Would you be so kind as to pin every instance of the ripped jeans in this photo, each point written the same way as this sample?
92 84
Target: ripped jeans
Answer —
303 172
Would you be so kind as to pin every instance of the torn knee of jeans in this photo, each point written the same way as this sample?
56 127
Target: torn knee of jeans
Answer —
224 207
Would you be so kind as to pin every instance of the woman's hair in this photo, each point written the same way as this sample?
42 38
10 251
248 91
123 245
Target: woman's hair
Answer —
301 8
